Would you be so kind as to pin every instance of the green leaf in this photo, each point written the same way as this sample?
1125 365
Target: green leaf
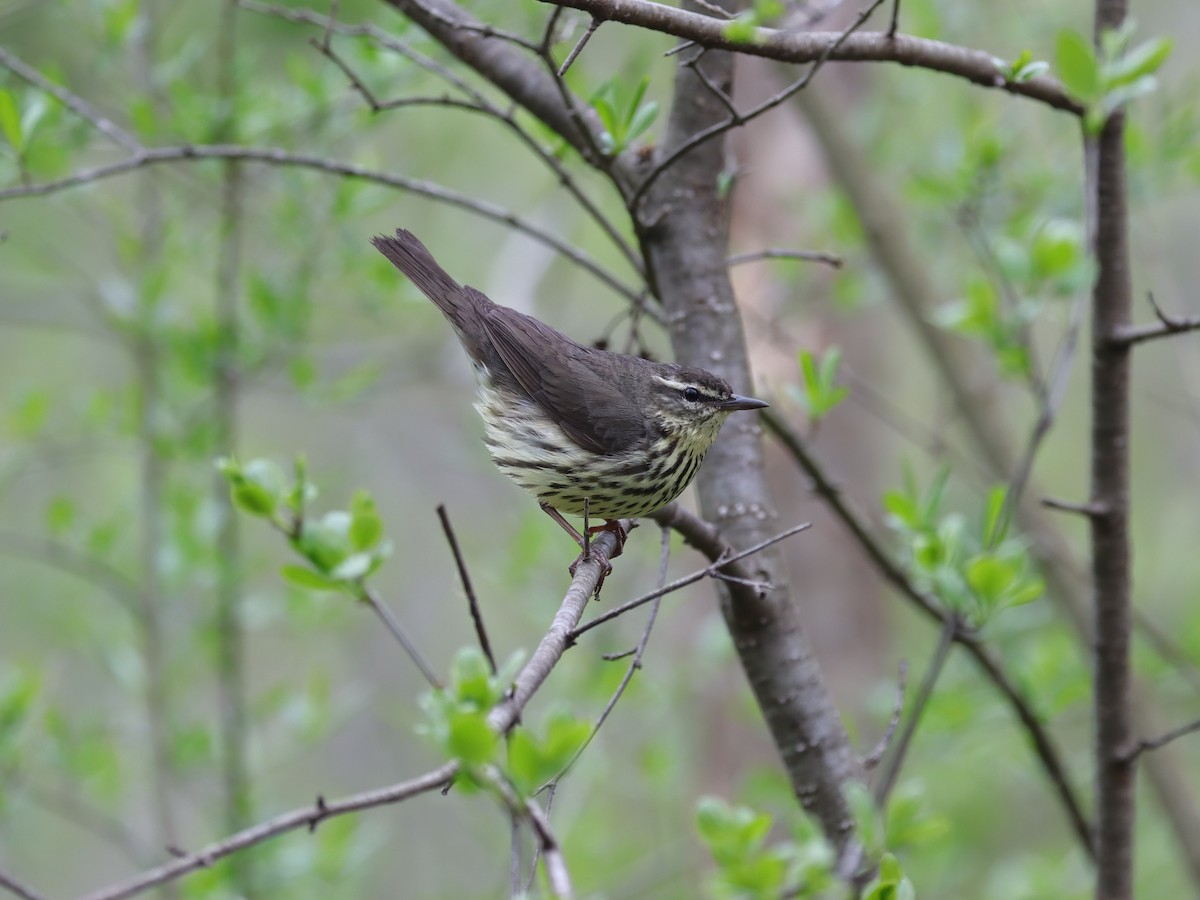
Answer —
990 576
366 527
742 29
1143 60
993 527
470 738
642 120
1077 66
471 679
326 542
10 121
302 576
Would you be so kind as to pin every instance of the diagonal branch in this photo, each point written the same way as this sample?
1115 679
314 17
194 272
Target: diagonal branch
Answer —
18 888
71 100
976 66
306 817
1043 744
278 157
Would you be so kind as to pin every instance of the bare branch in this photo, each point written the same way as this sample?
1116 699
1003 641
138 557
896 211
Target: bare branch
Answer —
307 817
1050 398
1167 326
472 601
559 637
278 157
72 101
635 664
368 596
1162 740
887 778
1083 509
829 259
720 563
579 45
789 46
871 760
737 119
19 889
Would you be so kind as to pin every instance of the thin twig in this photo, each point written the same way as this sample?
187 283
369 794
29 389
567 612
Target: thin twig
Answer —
891 771
716 10
328 36
20 889
895 24
559 636
368 596
1162 740
1051 397
1082 509
465 577
737 119
871 760
306 817
72 101
480 28
586 142
1168 325
579 45
636 663
829 259
278 157
688 579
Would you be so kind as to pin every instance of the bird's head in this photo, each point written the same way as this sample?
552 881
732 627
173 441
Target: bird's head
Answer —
692 404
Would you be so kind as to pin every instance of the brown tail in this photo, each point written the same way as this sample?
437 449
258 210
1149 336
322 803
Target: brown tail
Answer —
410 256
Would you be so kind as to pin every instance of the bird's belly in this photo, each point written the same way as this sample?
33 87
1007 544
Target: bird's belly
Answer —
532 450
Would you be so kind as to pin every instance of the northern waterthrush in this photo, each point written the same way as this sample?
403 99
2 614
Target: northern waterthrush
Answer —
588 431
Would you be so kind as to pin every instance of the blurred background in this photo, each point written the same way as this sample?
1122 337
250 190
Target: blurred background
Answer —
130 356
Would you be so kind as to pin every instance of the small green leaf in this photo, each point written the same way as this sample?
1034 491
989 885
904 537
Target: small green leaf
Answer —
1143 60
993 530
470 738
326 542
10 121
302 576
366 528
642 120
1077 66
1031 71
990 576
471 679
742 29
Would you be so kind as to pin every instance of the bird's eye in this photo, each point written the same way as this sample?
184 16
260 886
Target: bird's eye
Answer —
691 395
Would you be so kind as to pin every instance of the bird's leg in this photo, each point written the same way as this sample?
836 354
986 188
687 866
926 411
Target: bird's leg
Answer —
566 526
584 540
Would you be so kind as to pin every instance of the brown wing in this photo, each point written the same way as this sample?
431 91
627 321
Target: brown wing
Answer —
592 404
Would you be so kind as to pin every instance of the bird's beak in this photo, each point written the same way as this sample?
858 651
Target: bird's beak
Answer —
737 402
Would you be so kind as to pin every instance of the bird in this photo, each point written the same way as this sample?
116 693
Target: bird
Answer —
588 431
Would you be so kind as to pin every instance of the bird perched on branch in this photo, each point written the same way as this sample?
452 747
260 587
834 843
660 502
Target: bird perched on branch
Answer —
587 431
